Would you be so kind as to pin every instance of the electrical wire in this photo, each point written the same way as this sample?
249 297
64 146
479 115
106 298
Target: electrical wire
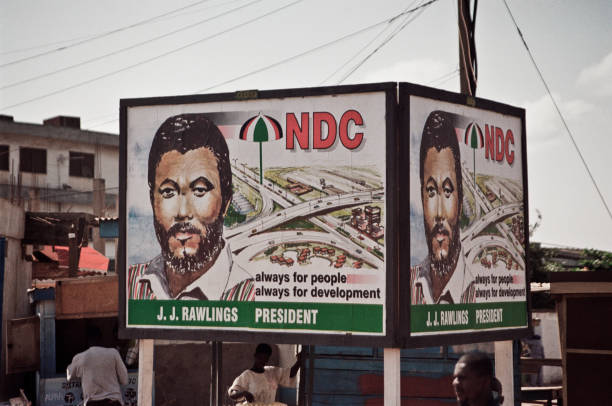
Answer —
361 50
567 129
103 123
48 44
97 58
444 78
309 51
390 37
105 34
291 58
456 74
382 44
90 36
237 26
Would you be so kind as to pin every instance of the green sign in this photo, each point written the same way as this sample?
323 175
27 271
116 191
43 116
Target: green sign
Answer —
358 318
467 317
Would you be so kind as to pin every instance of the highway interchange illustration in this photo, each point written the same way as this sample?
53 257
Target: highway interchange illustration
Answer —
494 237
313 217
300 215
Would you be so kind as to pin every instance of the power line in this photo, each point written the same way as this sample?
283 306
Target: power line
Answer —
301 54
89 36
361 50
103 123
48 44
454 75
291 58
240 25
389 38
97 58
571 136
444 78
105 34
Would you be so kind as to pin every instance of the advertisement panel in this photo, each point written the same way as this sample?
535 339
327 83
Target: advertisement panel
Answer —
465 269
257 213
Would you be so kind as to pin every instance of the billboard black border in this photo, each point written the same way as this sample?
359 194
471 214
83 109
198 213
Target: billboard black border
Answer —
391 315
405 339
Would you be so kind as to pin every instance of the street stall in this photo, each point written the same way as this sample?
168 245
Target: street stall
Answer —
584 308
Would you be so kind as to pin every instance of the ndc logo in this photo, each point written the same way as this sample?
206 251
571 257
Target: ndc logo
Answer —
473 136
261 128
320 129
498 145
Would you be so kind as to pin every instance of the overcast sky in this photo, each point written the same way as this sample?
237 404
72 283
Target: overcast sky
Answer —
119 50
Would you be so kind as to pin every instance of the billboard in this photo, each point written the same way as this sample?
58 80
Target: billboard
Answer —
257 214
463 263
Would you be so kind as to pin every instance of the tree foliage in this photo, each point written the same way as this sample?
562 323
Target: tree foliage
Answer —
596 260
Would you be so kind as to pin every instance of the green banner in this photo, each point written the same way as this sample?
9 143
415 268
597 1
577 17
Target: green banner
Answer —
471 316
331 317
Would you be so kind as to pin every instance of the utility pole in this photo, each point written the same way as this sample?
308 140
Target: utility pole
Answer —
98 209
468 77
468 64
74 247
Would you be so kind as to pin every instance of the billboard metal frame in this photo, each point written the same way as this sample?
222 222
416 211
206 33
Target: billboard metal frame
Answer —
391 316
406 340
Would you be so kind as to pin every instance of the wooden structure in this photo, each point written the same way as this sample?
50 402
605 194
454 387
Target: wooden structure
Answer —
86 297
584 307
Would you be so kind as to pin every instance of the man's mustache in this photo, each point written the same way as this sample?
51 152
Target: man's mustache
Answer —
440 229
183 228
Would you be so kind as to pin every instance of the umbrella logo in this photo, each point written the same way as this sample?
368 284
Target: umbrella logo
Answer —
474 139
473 136
261 128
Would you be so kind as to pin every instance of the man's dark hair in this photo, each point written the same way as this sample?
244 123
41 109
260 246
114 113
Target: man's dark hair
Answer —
263 348
439 133
94 335
478 362
187 132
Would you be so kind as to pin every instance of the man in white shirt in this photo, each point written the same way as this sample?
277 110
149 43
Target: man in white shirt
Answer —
101 371
259 384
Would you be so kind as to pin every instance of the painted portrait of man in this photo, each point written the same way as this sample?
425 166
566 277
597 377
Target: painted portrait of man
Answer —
442 277
190 190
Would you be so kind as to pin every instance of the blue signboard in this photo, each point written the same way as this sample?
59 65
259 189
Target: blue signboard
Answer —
59 392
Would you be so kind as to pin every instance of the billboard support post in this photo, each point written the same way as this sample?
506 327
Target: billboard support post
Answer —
504 370
216 379
468 80
392 377
145 372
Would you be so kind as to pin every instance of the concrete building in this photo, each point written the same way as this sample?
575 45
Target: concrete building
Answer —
58 167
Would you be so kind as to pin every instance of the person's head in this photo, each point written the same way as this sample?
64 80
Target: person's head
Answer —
262 355
190 188
473 378
94 336
497 390
441 190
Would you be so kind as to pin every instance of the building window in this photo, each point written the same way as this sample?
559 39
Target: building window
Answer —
4 157
81 164
33 160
